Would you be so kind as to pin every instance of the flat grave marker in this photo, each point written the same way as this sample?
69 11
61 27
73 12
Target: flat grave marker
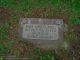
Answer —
42 32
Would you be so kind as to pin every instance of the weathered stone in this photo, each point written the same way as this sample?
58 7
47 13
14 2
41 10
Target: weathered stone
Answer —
44 33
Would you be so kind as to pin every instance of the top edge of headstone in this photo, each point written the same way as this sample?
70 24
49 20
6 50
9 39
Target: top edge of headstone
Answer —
24 20
41 18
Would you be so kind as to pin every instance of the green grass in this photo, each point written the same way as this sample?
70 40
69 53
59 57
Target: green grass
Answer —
3 50
26 6
45 55
4 32
1 58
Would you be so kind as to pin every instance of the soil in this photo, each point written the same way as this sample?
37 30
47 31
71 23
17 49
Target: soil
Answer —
4 15
50 13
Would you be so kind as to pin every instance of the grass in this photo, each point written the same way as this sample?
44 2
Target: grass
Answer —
27 7
1 58
4 32
3 50
45 54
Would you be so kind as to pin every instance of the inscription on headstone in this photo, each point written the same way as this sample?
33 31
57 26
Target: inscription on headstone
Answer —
42 32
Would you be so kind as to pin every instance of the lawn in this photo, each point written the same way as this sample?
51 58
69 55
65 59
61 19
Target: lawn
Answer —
12 10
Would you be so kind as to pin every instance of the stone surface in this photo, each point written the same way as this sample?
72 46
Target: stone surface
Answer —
44 33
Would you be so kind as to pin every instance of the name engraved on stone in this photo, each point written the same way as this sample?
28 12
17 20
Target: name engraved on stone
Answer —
40 31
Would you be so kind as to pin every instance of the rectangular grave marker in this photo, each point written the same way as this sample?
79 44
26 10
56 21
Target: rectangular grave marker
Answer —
43 32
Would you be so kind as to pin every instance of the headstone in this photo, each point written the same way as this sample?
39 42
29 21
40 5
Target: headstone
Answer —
44 33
